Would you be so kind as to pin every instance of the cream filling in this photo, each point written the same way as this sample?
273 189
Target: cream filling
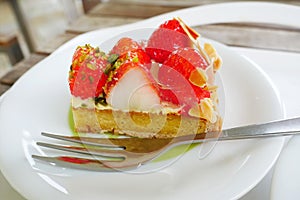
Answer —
205 110
89 103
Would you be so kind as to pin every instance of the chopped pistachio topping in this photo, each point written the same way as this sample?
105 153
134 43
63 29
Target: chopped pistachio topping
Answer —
91 66
101 99
91 79
108 69
97 50
113 58
83 105
135 59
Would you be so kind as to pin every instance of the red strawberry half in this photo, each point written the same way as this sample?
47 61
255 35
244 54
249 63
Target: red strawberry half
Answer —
168 37
175 77
86 77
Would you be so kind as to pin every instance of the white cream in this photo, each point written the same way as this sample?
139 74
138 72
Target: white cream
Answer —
89 103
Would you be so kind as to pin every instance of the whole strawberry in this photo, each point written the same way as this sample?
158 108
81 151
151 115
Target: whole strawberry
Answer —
86 77
171 35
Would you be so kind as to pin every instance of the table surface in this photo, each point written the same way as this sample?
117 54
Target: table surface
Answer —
250 35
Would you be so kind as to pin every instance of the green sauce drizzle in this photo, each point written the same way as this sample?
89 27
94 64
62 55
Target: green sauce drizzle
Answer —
71 123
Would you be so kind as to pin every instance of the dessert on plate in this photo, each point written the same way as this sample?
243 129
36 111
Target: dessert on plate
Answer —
161 87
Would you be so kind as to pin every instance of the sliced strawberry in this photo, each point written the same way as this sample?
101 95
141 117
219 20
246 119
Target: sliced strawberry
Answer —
124 45
128 50
132 88
174 75
167 95
86 77
167 38
137 56
184 95
183 62
188 30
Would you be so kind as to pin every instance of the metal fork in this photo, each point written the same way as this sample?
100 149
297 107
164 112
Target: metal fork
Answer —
114 154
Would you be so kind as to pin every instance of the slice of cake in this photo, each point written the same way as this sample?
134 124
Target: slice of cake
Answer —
162 87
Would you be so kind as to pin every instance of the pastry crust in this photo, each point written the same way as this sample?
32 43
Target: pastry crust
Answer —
140 124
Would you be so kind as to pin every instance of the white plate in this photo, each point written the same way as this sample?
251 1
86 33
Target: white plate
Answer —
286 178
40 101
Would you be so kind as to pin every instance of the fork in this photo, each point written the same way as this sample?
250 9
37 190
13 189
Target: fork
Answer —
115 154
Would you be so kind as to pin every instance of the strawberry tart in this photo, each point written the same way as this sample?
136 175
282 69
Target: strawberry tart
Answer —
160 88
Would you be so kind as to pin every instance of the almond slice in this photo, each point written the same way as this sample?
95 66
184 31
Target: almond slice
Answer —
217 64
195 111
193 35
204 110
198 78
213 55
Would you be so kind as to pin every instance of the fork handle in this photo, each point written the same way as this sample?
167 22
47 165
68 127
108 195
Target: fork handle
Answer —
270 129
275 128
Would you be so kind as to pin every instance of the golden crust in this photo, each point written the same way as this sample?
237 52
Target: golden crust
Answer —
140 124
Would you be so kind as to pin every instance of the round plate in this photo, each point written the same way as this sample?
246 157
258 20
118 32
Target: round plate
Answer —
40 101
286 178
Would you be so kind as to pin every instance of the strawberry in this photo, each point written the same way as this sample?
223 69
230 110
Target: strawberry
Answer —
167 38
138 56
124 45
131 87
186 96
175 76
128 50
167 95
86 77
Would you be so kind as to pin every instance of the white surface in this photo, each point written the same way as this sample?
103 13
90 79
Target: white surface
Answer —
267 59
283 68
286 178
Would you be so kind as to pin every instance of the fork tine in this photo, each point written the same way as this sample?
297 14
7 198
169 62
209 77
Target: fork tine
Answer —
102 152
101 142
76 163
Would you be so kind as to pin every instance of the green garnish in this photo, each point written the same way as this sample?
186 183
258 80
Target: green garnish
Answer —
113 58
83 105
135 59
91 79
97 50
101 99
91 66
108 69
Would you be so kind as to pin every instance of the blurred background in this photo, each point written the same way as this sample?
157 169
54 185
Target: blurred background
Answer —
33 29
44 20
